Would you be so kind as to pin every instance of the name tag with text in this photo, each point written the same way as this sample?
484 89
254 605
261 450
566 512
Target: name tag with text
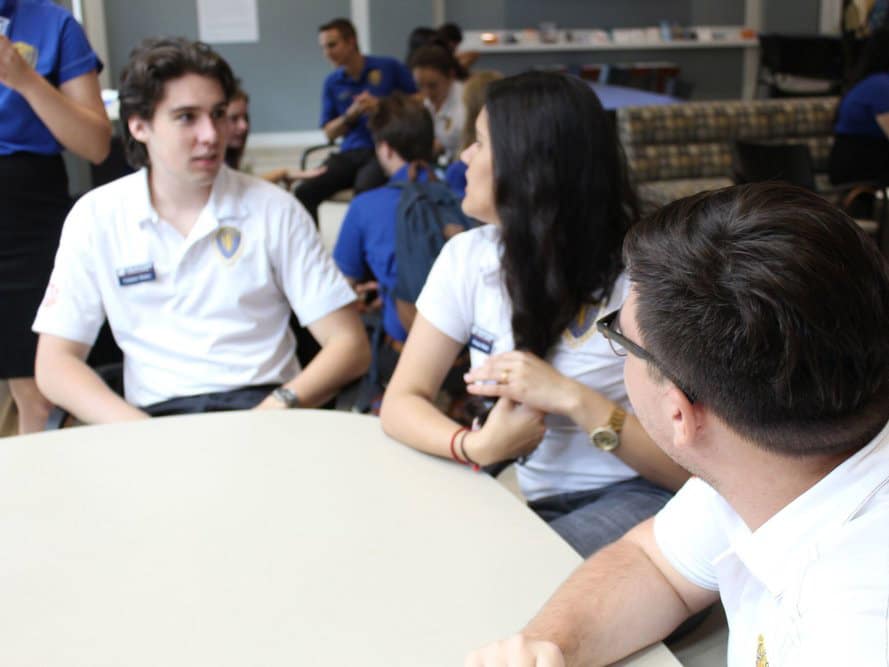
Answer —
133 275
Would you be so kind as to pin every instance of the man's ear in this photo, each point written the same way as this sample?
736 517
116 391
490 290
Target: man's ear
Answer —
686 418
138 127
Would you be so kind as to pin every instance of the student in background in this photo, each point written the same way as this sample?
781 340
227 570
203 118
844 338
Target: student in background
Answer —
366 247
197 267
435 73
238 115
474 91
755 331
49 101
861 133
350 94
524 292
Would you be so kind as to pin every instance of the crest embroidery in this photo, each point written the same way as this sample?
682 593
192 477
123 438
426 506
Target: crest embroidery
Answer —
27 52
228 241
762 660
581 327
374 77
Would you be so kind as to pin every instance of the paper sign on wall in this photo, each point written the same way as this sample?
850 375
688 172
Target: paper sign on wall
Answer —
225 21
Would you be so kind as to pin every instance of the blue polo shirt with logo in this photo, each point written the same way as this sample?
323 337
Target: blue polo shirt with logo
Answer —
381 76
366 242
54 43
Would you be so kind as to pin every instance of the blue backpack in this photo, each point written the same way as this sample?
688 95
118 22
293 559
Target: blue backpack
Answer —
428 214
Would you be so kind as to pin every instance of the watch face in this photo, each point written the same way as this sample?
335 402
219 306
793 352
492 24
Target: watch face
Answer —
605 439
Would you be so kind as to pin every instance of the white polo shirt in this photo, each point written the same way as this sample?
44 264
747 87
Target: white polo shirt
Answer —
811 585
449 120
465 299
199 314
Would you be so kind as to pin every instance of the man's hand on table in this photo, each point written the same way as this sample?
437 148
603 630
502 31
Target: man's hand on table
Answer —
517 651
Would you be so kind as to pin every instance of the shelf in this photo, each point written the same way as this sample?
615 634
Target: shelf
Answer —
643 39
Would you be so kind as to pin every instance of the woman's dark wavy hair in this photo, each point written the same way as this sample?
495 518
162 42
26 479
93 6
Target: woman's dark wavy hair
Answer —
152 63
563 197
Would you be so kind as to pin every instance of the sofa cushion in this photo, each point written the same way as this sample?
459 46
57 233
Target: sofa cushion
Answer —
703 122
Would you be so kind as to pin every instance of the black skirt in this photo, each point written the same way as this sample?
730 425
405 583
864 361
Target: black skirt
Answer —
33 204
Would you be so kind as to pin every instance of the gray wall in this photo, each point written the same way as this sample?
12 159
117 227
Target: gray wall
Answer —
799 16
282 73
391 21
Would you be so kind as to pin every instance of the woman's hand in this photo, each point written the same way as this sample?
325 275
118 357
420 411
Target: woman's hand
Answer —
525 378
511 430
14 69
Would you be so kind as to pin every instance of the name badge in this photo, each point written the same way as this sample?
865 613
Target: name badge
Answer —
482 340
133 275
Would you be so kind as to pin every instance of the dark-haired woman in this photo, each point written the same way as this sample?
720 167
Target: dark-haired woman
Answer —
435 73
861 132
49 100
524 291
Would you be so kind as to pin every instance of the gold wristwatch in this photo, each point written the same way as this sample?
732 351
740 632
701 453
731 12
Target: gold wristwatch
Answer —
607 437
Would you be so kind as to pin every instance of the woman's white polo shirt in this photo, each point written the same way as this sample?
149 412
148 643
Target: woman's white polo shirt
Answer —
465 299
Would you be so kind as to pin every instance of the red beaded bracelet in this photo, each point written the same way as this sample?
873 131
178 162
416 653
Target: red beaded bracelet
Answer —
454 456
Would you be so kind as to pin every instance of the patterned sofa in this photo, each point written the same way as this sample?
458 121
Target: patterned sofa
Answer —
678 150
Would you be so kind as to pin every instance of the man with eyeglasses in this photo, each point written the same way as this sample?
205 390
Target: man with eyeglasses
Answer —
759 360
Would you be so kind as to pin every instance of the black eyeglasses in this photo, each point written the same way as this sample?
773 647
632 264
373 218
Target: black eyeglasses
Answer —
621 345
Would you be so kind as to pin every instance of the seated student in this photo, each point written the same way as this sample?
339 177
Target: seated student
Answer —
350 94
435 72
861 143
524 291
758 358
238 115
365 248
195 266
474 91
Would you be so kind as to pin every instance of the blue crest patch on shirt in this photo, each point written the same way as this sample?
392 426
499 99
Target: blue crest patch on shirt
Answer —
228 241
581 327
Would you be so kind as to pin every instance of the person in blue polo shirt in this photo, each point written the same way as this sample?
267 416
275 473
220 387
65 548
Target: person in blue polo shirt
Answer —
49 101
365 249
350 94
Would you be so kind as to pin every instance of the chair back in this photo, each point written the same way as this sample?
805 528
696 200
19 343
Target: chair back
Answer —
791 163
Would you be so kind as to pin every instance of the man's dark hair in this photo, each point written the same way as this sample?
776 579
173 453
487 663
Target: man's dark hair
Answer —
344 27
152 63
406 125
771 306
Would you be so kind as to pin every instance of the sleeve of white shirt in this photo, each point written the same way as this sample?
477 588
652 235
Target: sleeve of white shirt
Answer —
688 533
313 284
447 297
72 306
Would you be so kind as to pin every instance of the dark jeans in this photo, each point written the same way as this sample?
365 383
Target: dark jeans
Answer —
358 169
590 520
221 401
